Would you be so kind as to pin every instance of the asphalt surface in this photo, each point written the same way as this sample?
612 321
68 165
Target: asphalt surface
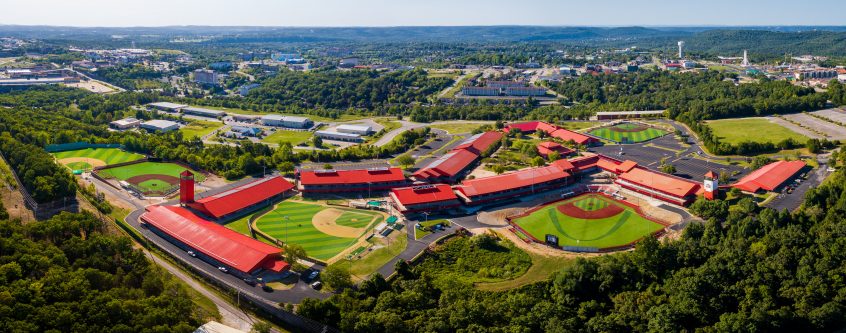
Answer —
388 137
441 142
792 201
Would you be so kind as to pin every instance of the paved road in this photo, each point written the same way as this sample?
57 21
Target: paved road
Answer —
414 247
388 137
792 201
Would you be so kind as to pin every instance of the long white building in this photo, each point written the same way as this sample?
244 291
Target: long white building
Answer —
286 121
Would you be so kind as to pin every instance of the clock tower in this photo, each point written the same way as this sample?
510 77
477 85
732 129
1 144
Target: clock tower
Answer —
711 185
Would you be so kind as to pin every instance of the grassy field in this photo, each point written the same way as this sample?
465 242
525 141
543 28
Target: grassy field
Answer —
612 134
199 128
542 268
106 155
362 268
148 168
734 131
293 220
292 137
577 125
457 128
620 229
421 233
343 117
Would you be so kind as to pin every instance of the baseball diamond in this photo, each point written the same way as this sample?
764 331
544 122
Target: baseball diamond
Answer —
628 133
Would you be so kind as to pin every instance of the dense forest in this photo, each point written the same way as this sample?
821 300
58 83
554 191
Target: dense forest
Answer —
745 269
66 275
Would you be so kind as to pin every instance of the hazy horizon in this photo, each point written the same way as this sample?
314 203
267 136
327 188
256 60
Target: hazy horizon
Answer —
381 13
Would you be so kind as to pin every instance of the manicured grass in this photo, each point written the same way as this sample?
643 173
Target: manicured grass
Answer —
542 268
148 168
292 137
79 166
107 155
609 133
362 268
199 128
422 233
457 128
577 125
300 229
734 131
356 219
616 230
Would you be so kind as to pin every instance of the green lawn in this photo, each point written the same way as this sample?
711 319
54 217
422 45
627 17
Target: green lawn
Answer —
457 128
292 137
107 155
609 133
199 128
734 131
577 125
362 268
422 233
357 219
301 231
617 230
148 168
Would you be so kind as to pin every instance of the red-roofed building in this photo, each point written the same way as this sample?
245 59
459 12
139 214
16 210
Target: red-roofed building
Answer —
479 143
659 185
626 166
554 131
526 181
243 198
769 177
213 242
424 198
547 147
447 168
334 181
590 163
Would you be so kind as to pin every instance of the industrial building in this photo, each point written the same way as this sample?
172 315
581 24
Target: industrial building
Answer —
205 76
769 177
167 106
525 91
286 121
424 198
338 136
354 129
359 180
246 131
480 91
159 125
125 123
203 112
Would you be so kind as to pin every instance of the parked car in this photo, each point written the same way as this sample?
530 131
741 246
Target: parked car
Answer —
223 269
317 285
250 281
191 253
311 275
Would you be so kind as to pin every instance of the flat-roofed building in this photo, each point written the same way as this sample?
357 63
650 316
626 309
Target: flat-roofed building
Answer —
480 91
338 136
167 106
424 198
204 112
525 91
205 76
125 123
286 121
354 129
359 180
159 125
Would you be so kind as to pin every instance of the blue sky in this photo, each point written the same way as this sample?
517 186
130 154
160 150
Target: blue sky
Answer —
428 12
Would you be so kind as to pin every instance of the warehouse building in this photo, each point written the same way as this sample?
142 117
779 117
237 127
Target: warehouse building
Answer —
125 124
204 112
770 177
159 125
167 106
354 129
286 121
360 180
525 91
338 136
480 91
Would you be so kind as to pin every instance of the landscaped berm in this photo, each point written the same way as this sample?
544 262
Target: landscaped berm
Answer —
322 231
628 133
151 178
87 159
589 221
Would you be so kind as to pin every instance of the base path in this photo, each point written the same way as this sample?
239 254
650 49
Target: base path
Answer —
91 161
325 222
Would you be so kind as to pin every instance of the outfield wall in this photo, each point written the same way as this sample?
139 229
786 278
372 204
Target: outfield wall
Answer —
59 147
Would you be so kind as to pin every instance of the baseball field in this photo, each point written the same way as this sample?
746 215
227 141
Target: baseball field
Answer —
628 133
150 177
589 220
86 159
322 231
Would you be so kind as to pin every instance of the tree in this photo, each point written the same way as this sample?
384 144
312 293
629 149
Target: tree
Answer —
337 276
317 141
538 161
553 156
261 327
668 168
406 160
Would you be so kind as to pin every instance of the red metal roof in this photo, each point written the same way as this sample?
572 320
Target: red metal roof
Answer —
513 180
770 176
480 142
660 182
423 194
214 240
449 165
568 135
564 165
626 166
553 130
347 177
241 197
547 147
711 174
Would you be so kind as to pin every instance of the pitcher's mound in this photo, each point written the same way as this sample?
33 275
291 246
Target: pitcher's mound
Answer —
324 221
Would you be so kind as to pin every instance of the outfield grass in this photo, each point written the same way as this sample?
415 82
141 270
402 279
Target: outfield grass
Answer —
362 268
292 137
148 168
608 133
300 229
107 155
457 128
617 230
734 131
356 219
199 128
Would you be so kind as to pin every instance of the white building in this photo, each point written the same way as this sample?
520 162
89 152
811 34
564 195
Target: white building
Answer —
167 106
205 76
338 136
286 121
159 125
354 129
525 91
245 89
203 112
125 123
